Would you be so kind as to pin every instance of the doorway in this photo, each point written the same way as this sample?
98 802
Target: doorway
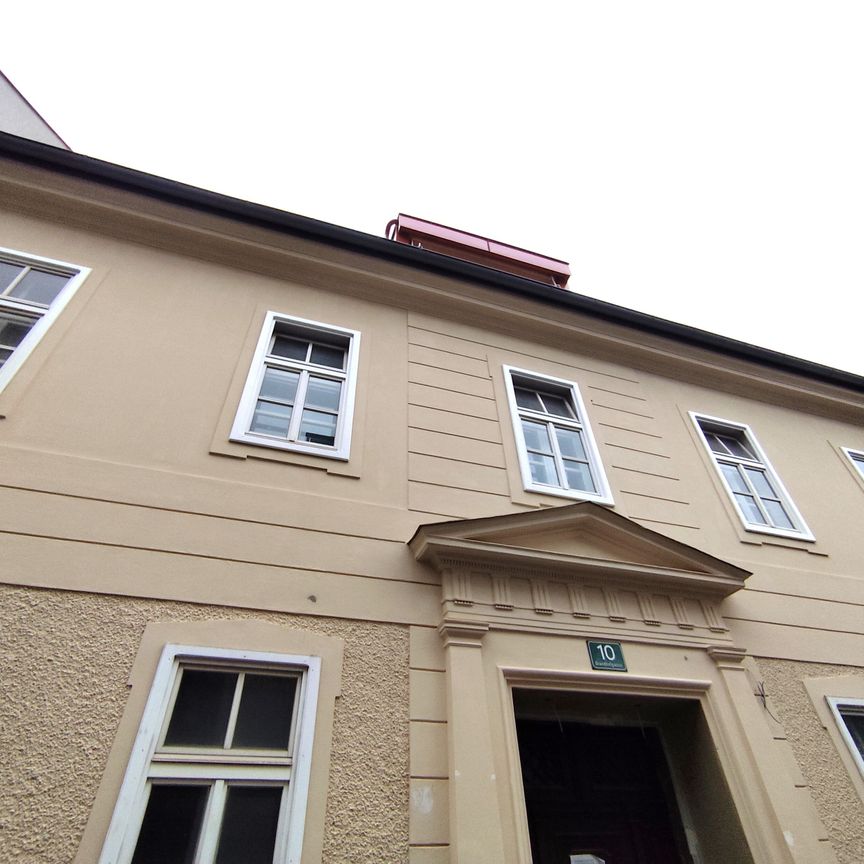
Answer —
627 779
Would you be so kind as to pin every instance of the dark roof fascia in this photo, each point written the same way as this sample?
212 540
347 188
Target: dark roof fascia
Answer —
182 194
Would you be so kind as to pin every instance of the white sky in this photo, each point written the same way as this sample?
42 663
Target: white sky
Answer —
700 162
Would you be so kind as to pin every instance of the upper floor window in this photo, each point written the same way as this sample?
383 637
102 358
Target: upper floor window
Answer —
759 497
849 714
857 459
557 452
220 767
33 291
299 394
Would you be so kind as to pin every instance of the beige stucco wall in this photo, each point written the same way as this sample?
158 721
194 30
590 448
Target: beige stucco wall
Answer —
837 800
118 479
66 658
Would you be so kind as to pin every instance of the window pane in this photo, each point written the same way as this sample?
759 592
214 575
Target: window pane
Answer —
536 437
570 442
322 393
328 355
280 385
855 725
557 405
266 706
716 445
751 512
8 273
318 428
528 399
5 354
760 483
543 469
734 478
777 514
248 834
172 823
579 476
290 348
200 715
39 287
13 329
736 446
271 419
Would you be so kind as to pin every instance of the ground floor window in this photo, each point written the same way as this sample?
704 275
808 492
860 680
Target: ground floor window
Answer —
220 767
849 714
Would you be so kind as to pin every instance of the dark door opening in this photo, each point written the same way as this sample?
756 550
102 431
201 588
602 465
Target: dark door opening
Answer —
603 790
597 780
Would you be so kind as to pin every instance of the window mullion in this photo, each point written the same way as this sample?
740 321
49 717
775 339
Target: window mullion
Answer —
757 500
169 710
299 401
8 290
208 844
22 307
556 454
235 709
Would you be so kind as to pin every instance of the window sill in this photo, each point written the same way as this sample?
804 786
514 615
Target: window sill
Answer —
569 494
802 536
319 451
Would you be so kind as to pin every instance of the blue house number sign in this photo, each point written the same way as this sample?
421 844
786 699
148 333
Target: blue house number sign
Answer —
607 655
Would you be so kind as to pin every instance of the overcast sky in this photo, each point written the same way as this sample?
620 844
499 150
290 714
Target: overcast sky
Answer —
700 162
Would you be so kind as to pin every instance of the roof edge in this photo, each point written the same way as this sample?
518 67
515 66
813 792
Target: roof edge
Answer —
176 192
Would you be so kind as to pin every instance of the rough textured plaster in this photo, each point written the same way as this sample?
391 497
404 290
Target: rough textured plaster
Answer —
837 801
65 660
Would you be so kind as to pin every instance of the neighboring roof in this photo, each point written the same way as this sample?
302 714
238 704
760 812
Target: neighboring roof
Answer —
19 117
107 173
480 250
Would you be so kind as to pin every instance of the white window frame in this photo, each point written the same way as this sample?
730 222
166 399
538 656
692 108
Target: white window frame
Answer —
603 495
837 704
122 836
340 449
45 315
799 531
856 457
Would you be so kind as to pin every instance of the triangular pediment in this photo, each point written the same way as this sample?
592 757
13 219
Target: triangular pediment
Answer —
582 540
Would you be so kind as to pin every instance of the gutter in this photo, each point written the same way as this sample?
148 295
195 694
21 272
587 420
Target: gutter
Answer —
173 192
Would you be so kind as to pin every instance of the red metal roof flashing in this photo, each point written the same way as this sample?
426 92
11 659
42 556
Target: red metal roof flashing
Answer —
479 250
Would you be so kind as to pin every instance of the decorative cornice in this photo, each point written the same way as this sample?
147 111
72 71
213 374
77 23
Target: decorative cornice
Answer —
510 572
463 634
485 546
456 585
501 595
727 656
712 616
646 607
578 608
540 597
613 604
681 613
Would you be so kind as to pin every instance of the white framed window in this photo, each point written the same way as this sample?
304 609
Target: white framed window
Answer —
299 394
856 457
219 772
557 451
33 292
849 714
753 486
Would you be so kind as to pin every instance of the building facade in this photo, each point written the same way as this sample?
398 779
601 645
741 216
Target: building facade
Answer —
324 547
